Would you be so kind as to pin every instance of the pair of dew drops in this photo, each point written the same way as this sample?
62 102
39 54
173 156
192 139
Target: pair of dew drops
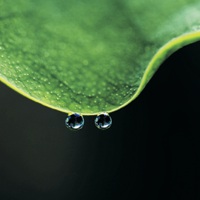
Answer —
75 121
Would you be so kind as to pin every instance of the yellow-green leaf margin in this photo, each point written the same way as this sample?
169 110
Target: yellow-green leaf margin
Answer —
90 56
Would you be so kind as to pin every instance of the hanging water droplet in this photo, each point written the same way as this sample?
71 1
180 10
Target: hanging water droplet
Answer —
103 121
74 121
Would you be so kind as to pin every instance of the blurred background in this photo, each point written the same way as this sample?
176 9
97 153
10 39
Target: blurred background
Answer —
152 150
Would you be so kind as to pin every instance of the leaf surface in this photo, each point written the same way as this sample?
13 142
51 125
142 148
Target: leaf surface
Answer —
90 56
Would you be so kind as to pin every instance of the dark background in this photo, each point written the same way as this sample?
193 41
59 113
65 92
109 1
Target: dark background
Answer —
152 150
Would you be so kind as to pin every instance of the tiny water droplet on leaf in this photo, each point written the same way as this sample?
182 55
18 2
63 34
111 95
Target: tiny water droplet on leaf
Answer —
103 121
74 121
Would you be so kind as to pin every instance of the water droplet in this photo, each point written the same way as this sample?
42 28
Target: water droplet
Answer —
103 121
74 121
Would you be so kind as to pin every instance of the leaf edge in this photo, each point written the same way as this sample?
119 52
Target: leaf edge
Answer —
168 49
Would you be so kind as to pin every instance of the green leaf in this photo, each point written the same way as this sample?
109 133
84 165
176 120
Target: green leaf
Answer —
90 56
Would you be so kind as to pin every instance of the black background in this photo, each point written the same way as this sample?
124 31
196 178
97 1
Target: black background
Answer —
150 152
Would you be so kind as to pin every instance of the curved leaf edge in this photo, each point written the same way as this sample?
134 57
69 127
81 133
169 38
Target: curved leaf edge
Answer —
162 54
168 49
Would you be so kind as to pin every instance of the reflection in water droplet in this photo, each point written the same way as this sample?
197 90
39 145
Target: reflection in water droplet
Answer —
74 121
103 121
